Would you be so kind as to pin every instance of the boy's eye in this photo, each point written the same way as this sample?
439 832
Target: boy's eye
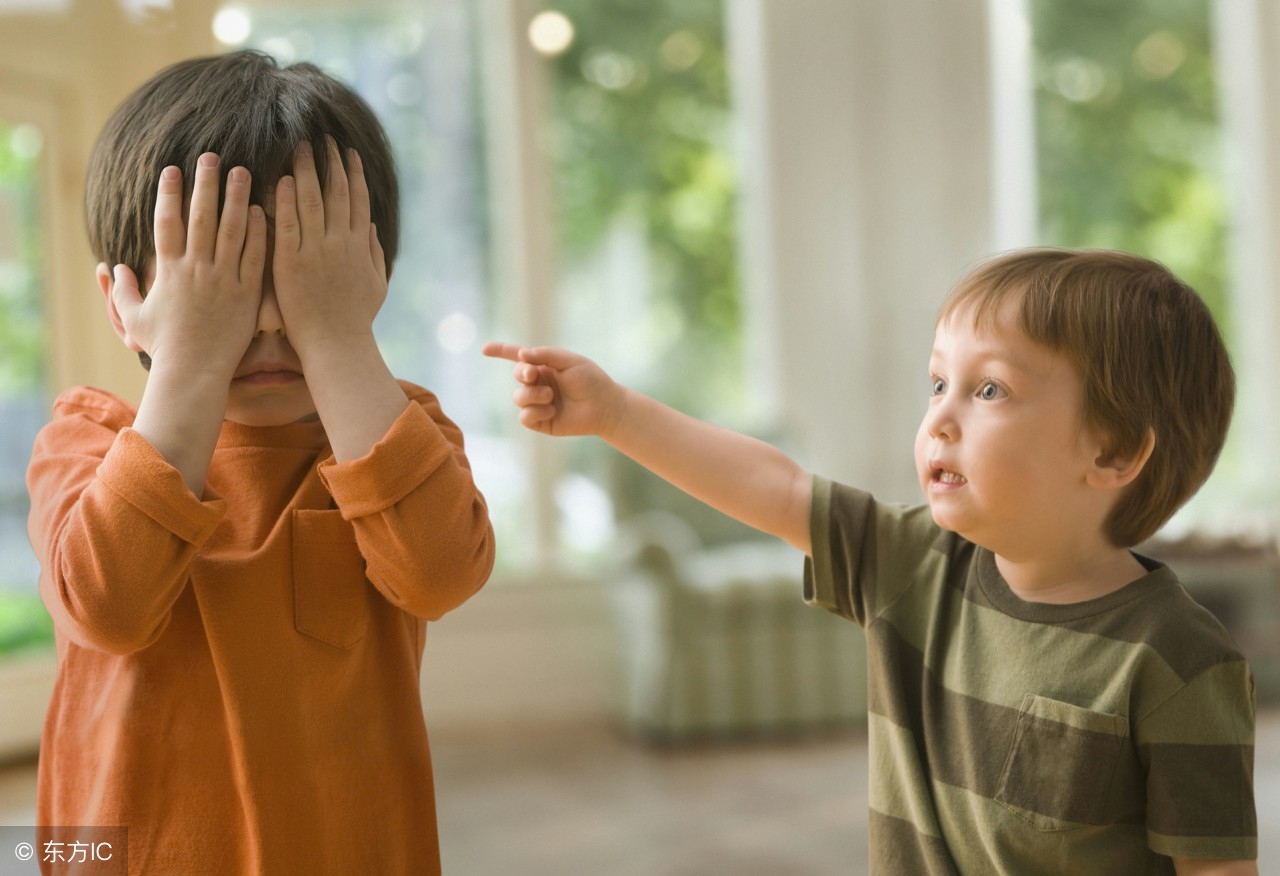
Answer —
938 387
990 391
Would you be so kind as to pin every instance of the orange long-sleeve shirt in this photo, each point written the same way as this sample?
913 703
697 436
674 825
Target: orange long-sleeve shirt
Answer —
238 674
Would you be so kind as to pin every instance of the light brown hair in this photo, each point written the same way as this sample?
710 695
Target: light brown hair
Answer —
1148 353
250 111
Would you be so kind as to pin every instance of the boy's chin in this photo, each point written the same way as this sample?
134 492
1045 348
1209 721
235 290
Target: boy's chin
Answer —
963 528
271 412
270 421
946 520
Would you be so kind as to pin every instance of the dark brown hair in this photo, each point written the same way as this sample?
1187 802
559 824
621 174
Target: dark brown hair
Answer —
1148 353
250 111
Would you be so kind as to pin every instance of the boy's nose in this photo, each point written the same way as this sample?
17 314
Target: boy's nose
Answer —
269 319
940 421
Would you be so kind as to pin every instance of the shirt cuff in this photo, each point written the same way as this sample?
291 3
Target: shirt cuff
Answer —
139 474
413 448
819 582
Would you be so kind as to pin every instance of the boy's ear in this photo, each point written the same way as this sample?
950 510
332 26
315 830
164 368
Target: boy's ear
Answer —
105 282
1116 472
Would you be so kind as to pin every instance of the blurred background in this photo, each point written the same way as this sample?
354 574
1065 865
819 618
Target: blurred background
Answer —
752 210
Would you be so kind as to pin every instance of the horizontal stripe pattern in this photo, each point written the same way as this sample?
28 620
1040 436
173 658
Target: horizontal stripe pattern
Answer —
1002 840
1220 772
1097 734
974 739
896 847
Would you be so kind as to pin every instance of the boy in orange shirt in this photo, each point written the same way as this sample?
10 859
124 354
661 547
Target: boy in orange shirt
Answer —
240 570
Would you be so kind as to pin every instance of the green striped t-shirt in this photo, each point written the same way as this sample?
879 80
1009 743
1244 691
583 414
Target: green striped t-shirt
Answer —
1012 737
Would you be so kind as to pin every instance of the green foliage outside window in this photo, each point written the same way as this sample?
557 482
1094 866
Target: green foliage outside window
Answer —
21 344
1128 134
23 620
642 125
24 623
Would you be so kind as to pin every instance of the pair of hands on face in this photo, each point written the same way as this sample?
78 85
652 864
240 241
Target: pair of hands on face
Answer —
328 269
329 278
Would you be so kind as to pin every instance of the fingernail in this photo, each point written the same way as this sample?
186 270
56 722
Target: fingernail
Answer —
304 149
170 173
238 175
209 160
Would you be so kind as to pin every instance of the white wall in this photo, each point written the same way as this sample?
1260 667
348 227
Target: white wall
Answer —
521 656
867 136
1248 34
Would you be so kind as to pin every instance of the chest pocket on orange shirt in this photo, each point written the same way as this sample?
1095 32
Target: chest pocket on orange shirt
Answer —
330 591
1061 763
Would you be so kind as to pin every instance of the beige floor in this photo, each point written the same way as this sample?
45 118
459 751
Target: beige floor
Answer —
584 800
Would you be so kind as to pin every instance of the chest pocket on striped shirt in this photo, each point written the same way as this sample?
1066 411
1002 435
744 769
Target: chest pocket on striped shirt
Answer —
1060 764
330 591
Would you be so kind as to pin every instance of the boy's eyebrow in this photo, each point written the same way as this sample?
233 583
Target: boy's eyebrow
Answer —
988 354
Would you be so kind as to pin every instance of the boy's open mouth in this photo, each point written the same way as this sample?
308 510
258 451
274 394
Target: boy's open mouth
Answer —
948 478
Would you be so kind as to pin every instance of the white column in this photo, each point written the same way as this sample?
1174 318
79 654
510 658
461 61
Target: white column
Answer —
522 217
1248 37
1014 186
868 188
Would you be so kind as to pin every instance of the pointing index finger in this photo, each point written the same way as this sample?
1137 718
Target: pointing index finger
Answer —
499 350
552 357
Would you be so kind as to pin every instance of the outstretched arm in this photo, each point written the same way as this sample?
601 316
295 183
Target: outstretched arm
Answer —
562 393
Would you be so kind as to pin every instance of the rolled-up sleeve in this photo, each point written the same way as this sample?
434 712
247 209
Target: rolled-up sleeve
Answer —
116 531
420 522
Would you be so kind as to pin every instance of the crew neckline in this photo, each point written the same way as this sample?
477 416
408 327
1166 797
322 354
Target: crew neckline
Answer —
307 435
1001 595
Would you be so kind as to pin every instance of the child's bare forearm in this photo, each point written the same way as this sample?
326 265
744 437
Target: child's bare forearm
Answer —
355 395
181 414
1212 867
564 393
741 476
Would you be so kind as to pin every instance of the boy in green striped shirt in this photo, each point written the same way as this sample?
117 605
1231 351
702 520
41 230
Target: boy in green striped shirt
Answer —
1041 698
